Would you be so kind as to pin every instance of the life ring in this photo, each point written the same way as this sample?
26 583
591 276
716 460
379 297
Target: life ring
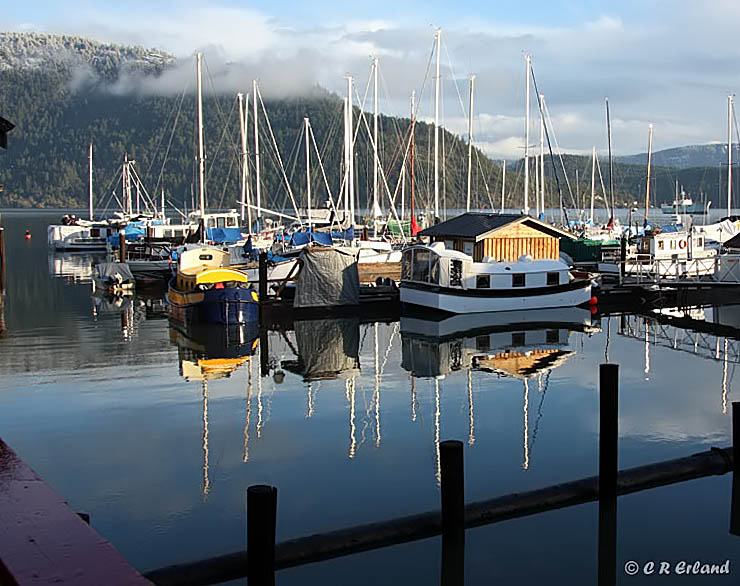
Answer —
682 244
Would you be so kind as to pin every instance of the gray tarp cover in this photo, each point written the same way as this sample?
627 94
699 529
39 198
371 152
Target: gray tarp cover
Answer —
328 348
328 278
111 271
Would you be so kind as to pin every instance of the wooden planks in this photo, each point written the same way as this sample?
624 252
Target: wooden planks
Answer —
43 541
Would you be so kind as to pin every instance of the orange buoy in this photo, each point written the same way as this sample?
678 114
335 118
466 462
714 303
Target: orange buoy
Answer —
593 301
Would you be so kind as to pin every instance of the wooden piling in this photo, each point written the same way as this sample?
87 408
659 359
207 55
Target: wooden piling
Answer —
608 471
622 258
262 272
453 512
261 521
735 503
122 245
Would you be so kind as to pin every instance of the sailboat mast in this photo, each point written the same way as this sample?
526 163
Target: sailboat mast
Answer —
438 37
593 181
729 154
308 172
351 152
375 145
90 180
243 136
528 60
346 163
257 186
470 140
503 183
411 156
542 154
201 157
611 163
650 158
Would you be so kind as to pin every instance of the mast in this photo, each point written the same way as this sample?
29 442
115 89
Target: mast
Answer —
163 204
611 163
438 37
593 180
411 160
375 146
650 158
346 163
308 172
351 152
257 187
528 67
243 116
470 140
90 181
729 154
201 157
542 154
503 183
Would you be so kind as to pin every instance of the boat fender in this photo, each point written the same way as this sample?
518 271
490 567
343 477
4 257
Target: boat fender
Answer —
682 244
255 297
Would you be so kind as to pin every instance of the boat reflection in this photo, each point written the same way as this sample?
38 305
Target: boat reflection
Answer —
522 345
74 267
214 351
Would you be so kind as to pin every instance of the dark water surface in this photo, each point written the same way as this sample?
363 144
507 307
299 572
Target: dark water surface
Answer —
158 436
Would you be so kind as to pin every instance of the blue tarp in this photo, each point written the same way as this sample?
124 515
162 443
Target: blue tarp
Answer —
301 238
223 234
133 231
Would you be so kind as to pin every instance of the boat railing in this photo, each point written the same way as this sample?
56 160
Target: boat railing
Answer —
645 269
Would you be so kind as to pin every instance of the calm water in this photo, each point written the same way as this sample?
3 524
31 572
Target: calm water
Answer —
158 440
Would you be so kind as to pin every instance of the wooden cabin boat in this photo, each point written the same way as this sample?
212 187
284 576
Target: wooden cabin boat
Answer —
207 289
486 262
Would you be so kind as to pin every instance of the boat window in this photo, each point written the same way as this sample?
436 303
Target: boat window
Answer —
456 273
518 339
421 265
221 222
553 278
552 336
661 245
406 261
700 241
205 257
673 245
231 221
482 343
434 273
168 233
518 280
211 223
483 282
94 232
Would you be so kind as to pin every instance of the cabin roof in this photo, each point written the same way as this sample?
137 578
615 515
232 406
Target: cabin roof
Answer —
479 225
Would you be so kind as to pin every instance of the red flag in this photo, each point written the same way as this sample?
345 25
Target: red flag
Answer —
414 226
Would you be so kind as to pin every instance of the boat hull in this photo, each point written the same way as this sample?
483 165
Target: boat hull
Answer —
217 306
577 292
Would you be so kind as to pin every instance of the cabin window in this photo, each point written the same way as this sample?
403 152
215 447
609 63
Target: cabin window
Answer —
673 245
205 257
553 278
518 280
449 245
434 272
221 222
231 222
661 245
468 248
168 233
552 336
483 282
456 273
406 264
211 223
94 232
518 339
482 343
700 241
421 265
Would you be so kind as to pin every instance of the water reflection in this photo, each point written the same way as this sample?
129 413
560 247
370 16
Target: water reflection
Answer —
522 345
73 267
210 352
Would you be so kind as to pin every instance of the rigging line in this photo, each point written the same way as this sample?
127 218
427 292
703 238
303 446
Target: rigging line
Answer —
539 413
277 153
483 177
323 174
212 160
549 146
160 177
560 156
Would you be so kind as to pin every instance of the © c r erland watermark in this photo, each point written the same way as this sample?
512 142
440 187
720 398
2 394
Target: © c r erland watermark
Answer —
681 568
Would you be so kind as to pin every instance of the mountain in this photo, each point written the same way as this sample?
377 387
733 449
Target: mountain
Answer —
698 155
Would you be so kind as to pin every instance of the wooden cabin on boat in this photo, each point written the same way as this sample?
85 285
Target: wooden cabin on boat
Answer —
499 237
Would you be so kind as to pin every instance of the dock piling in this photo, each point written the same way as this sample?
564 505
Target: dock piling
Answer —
122 245
608 472
453 512
735 503
261 521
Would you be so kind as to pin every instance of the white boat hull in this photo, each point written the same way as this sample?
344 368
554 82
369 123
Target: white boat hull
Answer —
453 301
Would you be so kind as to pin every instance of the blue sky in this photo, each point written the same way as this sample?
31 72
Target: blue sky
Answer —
671 63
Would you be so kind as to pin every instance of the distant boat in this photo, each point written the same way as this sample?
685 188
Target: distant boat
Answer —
113 277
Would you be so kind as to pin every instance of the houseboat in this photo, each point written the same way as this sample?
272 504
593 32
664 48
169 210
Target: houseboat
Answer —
486 262
671 254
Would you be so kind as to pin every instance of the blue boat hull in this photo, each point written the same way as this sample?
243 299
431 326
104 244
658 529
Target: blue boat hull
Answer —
216 306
